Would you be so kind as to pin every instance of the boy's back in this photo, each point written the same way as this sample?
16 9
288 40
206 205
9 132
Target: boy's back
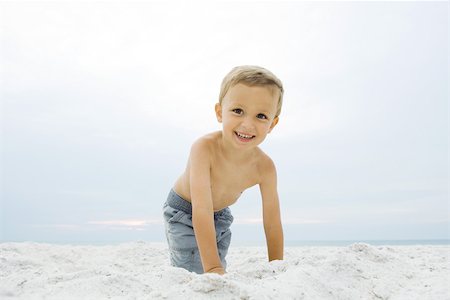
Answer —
221 166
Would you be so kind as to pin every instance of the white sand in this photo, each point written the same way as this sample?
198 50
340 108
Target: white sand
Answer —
141 271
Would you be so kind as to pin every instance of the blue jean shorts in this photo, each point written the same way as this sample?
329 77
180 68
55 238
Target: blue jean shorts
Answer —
179 230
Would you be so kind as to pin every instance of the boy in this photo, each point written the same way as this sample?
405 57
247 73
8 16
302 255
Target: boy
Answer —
221 166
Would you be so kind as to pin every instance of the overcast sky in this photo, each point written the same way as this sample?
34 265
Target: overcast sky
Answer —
100 103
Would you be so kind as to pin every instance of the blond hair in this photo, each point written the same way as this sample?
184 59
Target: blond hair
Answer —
252 76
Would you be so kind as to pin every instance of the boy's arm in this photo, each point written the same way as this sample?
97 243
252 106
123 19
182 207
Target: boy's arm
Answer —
202 207
271 211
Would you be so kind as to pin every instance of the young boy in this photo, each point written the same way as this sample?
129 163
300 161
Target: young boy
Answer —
221 166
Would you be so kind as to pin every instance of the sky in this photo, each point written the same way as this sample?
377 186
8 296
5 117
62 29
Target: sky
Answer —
101 101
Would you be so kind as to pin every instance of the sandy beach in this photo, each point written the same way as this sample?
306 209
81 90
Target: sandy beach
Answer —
141 270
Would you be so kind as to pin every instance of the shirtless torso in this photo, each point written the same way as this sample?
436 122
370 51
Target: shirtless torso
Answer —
228 178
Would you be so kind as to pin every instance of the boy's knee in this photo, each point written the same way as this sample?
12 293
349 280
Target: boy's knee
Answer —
188 259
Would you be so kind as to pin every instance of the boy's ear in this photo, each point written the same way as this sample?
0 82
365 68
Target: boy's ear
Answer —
219 112
274 122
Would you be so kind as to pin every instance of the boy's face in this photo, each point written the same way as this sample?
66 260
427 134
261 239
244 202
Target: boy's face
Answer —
248 114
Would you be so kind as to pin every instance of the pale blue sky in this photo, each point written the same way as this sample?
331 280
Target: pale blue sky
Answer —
100 103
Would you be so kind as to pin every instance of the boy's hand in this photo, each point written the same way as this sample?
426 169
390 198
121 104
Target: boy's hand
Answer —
218 270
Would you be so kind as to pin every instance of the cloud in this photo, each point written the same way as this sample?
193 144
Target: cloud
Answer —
102 102
58 226
126 223
117 224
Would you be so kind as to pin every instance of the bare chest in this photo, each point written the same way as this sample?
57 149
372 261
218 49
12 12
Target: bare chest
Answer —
229 181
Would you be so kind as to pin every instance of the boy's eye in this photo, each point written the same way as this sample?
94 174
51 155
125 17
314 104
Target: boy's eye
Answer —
261 116
237 110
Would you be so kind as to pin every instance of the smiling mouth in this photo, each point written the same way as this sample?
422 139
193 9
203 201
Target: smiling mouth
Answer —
244 137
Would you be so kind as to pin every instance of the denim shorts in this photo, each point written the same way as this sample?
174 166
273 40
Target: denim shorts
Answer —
183 247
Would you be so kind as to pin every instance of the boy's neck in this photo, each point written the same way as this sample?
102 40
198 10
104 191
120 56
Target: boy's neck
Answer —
232 154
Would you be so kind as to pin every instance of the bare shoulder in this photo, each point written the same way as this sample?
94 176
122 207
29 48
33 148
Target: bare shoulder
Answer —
206 143
266 167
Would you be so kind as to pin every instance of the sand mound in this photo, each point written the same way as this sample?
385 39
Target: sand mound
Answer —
141 270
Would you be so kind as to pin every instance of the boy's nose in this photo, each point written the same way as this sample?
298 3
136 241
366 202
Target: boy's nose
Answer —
247 124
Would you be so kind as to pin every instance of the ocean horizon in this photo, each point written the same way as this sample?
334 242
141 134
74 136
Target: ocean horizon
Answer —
287 243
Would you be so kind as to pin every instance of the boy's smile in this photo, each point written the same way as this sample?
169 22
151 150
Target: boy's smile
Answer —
247 114
244 137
